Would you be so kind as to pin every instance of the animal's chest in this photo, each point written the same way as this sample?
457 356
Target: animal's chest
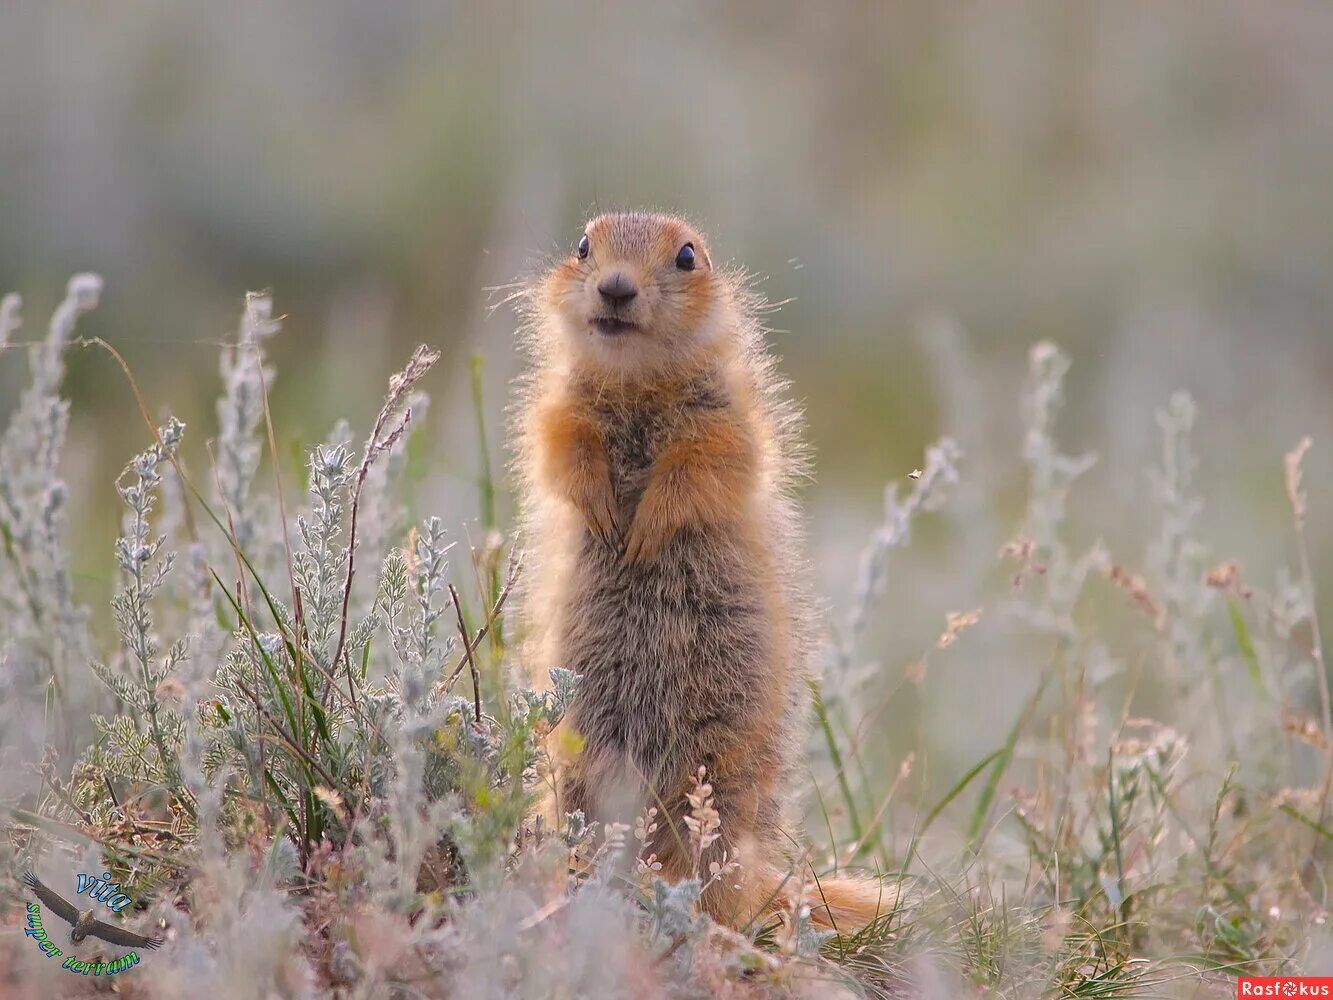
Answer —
633 439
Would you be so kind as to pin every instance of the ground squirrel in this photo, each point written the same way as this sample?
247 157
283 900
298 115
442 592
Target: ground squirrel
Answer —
655 457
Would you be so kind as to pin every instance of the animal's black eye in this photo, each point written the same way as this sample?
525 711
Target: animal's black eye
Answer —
583 248
685 259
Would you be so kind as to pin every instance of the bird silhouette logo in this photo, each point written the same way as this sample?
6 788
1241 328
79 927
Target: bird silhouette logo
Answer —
84 923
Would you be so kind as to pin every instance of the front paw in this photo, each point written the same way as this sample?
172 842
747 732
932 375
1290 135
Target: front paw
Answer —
602 521
643 542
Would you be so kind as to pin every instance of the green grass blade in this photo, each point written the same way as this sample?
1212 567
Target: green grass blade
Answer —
1002 761
485 480
826 726
1246 646
957 789
1116 841
1297 815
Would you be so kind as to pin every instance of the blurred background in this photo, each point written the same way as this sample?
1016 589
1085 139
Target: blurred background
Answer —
928 188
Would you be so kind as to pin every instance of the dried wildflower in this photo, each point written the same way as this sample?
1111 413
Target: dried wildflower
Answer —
1023 550
1306 729
955 623
1293 476
246 376
1152 744
613 837
1052 472
724 868
644 828
1226 576
1058 925
929 491
170 689
330 797
1137 589
1085 729
1025 801
645 825
703 820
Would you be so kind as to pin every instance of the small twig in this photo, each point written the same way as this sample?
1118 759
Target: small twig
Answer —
421 361
468 658
140 828
1296 495
672 948
1299 509
533 919
514 566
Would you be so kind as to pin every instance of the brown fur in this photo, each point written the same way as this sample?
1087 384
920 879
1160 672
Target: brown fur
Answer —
663 556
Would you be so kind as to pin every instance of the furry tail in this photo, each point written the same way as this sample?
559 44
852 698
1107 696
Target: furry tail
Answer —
849 903
844 903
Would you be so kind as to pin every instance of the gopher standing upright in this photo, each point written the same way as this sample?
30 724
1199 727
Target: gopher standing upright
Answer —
656 456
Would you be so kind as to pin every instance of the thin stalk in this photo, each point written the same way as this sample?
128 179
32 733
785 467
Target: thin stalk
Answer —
835 754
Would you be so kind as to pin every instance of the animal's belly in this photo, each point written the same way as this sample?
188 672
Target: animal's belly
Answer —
666 648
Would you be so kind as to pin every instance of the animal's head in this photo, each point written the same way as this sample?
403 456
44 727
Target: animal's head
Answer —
637 295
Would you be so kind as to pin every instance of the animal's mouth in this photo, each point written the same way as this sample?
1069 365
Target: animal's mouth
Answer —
612 326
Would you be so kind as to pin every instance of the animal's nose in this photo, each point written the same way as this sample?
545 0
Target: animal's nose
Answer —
617 289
